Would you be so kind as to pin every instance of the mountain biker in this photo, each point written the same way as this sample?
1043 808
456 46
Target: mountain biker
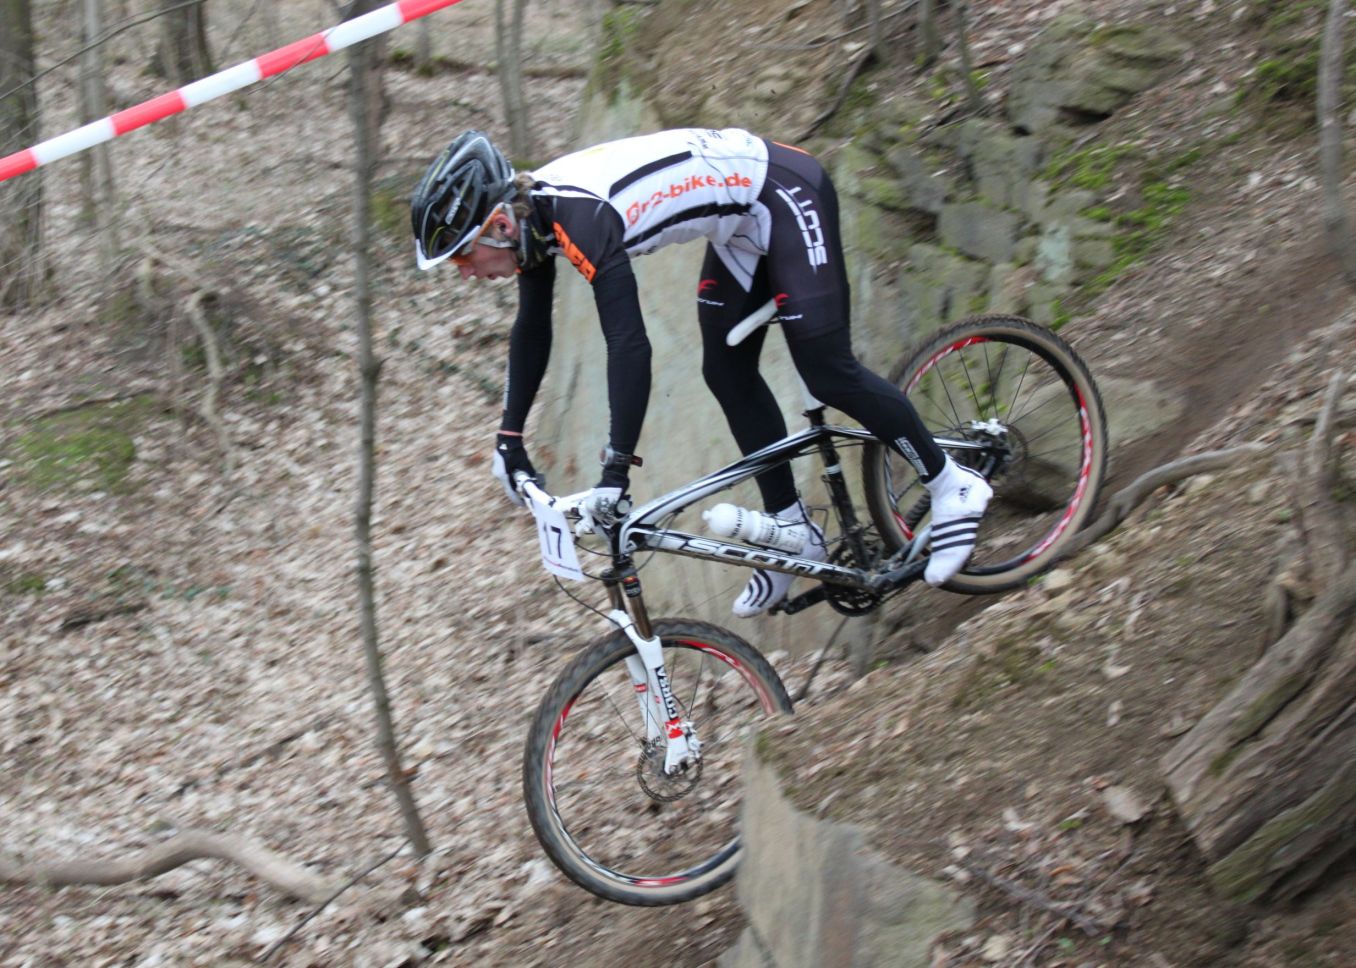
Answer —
769 215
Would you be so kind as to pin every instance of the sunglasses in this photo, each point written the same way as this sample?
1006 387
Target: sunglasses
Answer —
463 257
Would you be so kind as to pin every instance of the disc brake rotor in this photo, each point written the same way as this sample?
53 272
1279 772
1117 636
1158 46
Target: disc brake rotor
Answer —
657 784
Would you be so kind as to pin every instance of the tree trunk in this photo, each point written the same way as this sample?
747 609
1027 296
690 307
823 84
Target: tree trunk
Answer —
508 42
1336 218
875 29
182 54
929 40
20 198
423 48
365 122
1266 781
100 197
972 95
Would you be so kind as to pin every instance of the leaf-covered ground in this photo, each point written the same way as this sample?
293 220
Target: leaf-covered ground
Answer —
178 627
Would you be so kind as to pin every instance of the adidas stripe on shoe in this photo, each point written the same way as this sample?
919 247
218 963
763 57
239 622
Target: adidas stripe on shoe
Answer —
959 498
767 588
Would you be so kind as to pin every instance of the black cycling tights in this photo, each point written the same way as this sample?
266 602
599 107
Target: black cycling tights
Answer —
834 376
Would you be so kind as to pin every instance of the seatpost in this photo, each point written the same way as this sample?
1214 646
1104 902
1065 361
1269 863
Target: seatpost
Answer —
837 484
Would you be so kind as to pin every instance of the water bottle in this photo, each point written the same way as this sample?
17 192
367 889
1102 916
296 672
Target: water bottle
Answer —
756 528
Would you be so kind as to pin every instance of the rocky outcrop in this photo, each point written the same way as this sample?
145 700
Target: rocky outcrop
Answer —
939 222
816 895
1077 72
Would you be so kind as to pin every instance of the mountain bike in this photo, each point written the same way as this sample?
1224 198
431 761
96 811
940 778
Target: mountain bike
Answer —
632 765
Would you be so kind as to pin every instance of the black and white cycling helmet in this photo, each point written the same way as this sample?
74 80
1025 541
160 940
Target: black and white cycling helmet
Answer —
456 196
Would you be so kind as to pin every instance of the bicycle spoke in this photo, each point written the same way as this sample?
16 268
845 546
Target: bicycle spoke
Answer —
1024 404
610 799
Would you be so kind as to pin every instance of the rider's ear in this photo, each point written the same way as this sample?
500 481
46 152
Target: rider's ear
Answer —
506 225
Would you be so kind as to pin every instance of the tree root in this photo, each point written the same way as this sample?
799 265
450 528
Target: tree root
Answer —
327 901
1132 495
189 845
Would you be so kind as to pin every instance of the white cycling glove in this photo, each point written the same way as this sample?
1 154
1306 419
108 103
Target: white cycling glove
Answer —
598 510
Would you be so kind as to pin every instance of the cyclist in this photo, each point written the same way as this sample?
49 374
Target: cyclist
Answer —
769 215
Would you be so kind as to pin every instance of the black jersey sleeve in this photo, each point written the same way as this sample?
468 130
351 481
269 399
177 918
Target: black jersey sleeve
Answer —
529 344
589 233
628 355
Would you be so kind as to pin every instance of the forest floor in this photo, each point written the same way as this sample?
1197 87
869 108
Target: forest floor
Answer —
178 631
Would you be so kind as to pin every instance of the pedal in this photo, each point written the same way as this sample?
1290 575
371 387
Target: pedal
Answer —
801 602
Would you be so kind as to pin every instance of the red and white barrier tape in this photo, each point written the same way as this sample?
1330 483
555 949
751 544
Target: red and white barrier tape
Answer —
215 85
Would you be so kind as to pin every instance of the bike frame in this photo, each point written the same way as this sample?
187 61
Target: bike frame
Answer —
640 530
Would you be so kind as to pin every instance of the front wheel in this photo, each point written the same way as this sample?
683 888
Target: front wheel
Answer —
597 795
1015 402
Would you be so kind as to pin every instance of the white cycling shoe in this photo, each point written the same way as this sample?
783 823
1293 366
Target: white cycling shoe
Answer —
767 588
959 497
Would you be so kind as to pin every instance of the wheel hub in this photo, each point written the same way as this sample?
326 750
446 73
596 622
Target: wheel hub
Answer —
657 784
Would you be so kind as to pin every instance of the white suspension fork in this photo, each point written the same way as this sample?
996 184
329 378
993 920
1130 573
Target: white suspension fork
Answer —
654 694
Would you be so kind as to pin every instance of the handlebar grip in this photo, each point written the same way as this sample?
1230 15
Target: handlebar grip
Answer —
522 480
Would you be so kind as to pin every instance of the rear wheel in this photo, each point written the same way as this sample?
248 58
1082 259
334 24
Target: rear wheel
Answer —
595 788
1015 402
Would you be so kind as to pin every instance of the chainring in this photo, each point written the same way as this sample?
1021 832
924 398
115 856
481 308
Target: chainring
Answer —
845 600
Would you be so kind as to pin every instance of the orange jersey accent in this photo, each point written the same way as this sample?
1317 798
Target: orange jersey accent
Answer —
576 257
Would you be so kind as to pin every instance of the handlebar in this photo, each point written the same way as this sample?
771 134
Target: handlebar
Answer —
567 504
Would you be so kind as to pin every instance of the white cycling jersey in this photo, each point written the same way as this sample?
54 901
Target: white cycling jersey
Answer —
669 187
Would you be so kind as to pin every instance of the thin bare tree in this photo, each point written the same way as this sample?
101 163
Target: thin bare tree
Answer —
1336 217
971 84
96 169
22 268
508 44
182 54
364 102
929 38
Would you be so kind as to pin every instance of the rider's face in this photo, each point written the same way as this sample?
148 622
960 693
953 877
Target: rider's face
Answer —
488 261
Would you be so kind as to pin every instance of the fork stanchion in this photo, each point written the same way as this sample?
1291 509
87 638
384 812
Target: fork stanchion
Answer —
629 581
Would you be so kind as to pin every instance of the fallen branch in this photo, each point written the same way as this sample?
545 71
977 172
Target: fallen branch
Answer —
190 845
858 66
214 374
273 948
1077 906
272 750
1319 514
1133 494
81 618
1026 895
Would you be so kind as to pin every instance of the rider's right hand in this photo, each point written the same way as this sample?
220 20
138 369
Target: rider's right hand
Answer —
510 457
